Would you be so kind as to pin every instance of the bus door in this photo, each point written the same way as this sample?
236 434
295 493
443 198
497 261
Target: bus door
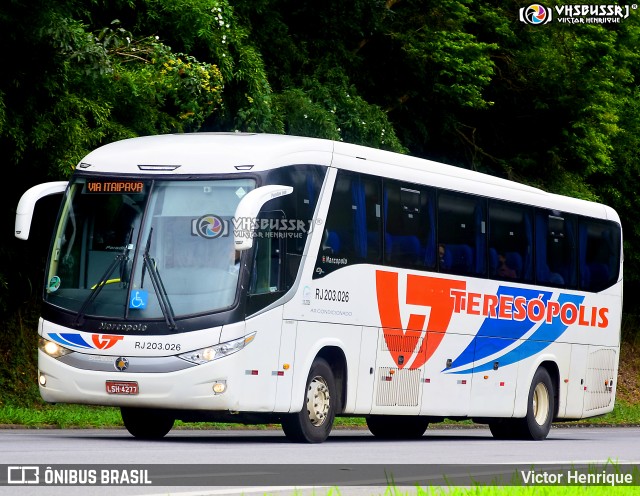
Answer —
267 284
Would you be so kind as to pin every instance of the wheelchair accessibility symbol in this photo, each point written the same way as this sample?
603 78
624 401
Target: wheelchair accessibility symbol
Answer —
139 299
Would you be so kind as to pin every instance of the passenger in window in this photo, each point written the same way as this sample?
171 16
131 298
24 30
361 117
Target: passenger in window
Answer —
503 269
441 255
555 278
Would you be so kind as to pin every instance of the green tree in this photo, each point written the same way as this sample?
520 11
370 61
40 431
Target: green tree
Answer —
564 112
77 86
420 64
463 82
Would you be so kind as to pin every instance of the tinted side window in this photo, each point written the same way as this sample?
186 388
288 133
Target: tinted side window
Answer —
599 254
510 241
266 271
353 228
461 234
293 215
556 249
409 213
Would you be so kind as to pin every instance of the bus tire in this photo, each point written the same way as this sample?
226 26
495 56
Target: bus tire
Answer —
540 407
397 426
540 410
146 423
314 422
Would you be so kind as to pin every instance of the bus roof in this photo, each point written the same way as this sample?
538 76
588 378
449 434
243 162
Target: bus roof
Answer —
225 153
207 153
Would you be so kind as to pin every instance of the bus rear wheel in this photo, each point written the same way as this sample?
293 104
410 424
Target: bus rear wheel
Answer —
540 410
540 407
397 426
146 423
314 422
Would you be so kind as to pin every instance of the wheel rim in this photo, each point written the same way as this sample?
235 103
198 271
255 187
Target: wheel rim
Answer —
541 403
318 401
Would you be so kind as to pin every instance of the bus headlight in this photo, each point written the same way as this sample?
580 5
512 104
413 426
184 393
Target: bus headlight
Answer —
52 349
205 355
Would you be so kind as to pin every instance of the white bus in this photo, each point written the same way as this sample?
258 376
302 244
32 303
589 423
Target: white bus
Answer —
259 278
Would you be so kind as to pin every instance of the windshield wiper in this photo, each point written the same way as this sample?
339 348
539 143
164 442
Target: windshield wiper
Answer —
120 260
158 286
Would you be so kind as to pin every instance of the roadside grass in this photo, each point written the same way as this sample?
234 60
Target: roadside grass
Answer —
506 490
64 416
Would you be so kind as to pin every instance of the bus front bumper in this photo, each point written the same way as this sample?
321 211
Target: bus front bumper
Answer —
214 386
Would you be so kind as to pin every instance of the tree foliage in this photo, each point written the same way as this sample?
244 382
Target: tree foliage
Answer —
458 81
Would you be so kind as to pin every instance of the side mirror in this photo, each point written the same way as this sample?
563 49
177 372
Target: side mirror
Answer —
249 207
27 204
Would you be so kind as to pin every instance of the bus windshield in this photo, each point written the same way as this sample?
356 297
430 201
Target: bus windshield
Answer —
142 249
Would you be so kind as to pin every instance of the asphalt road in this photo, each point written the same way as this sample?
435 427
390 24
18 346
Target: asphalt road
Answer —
209 462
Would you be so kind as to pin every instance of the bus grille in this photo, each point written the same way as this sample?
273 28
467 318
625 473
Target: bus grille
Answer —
601 374
398 387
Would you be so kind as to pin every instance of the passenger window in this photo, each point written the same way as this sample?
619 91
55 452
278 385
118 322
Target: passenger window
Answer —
599 254
510 242
461 234
353 229
409 238
555 249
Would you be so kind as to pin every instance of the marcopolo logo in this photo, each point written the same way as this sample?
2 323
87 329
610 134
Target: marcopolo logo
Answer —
536 14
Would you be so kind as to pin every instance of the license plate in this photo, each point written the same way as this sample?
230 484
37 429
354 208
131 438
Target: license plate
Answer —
122 387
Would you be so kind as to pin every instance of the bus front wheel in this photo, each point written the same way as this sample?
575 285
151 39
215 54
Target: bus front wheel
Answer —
145 423
314 422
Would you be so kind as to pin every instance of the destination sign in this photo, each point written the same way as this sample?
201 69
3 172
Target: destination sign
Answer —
115 187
